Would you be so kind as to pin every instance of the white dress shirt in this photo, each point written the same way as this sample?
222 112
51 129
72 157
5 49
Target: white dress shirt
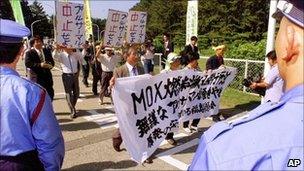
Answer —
68 62
108 64
130 68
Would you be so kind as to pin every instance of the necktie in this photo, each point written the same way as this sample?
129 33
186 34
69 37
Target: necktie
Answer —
41 56
134 71
70 64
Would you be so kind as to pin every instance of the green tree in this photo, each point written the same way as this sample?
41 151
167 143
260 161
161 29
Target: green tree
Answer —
44 27
6 11
220 20
27 13
101 24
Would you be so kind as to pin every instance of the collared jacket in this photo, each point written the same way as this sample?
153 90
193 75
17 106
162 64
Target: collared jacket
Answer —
268 138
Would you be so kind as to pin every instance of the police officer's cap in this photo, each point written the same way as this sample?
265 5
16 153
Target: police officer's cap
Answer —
12 32
291 9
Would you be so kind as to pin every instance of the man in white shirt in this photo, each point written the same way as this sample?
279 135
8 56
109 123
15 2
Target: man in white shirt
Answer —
108 62
70 59
147 57
273 81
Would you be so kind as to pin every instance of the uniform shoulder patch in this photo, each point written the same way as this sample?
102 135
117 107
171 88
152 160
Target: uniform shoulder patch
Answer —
217 129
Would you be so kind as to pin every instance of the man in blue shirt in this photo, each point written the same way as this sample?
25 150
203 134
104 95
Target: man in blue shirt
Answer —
271 136
30 135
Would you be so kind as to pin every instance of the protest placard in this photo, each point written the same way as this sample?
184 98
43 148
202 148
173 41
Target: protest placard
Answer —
115 28
136 31
148 108
70 26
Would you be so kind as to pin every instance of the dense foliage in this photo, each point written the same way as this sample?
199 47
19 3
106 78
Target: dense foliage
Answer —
231 22
240 24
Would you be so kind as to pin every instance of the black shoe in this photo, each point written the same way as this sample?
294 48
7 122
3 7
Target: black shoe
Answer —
171 141
216 118
73 114
149 161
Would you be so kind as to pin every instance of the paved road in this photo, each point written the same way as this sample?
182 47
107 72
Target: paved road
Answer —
88 137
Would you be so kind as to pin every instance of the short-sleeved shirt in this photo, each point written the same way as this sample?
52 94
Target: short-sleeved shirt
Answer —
265 139
19 99
108 64
275 89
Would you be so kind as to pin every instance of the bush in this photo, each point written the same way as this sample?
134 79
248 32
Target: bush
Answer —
238 46
247 50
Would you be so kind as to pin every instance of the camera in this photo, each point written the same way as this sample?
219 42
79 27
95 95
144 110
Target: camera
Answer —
259 90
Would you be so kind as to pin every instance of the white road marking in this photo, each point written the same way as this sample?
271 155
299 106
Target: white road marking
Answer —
176 137
165 156
82 95
115 125
104 120
174 162
179 148
78 100
60 94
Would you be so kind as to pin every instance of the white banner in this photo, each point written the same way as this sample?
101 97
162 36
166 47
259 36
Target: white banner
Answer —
149 107
192 17
115 28
136 31
70 27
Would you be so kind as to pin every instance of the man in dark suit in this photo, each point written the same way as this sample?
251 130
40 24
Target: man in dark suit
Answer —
189 49
39 62
168 48
215 61
129 69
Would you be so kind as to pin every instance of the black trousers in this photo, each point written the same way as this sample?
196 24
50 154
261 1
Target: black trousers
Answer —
169 136
48 87
85 73
96 72
194 123
163 61
47 83
24 161
71 88
105 82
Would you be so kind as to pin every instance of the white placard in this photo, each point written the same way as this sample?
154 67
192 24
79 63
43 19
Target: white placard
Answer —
136 31
70 26
115 28
150 107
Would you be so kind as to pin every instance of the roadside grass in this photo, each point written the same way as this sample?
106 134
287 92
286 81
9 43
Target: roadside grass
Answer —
232 98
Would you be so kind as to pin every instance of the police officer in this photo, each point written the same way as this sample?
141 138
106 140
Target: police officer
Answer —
30 135
271 136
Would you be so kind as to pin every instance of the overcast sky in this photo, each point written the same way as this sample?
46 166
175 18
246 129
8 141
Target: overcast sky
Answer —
99 8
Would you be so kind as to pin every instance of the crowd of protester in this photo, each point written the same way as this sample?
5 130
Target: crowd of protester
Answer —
34 140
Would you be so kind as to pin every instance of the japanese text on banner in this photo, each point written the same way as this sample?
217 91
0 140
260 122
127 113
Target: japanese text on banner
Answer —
136 31
148 110
115 28
70 24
